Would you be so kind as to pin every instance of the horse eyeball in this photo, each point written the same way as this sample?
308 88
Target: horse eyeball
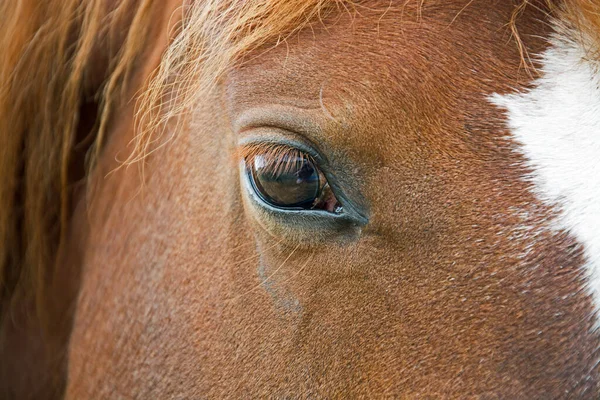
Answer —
292 181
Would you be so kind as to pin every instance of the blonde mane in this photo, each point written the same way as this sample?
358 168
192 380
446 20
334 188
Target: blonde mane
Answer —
50 67
585 14
213 37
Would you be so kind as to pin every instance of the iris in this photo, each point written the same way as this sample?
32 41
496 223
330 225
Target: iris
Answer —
291 181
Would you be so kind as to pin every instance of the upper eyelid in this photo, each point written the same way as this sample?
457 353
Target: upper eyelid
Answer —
285 139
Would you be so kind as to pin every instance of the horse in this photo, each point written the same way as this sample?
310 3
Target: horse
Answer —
158 238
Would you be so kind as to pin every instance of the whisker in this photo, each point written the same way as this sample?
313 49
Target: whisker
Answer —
257 255
301 268
267 278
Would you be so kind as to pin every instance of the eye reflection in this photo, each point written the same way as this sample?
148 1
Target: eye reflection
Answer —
293 183
286 177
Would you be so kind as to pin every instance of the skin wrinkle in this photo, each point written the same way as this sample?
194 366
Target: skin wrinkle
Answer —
456 288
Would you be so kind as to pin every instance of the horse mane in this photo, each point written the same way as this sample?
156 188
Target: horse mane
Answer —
50 69
60 58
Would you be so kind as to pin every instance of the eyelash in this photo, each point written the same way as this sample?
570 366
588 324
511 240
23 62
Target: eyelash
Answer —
275 153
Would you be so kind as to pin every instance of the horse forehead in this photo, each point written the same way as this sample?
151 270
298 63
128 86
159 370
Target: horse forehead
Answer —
378 53
398 44
394 69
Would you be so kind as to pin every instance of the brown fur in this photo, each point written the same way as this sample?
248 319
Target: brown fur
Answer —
64 57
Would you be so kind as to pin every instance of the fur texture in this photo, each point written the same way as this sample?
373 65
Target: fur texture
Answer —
69 75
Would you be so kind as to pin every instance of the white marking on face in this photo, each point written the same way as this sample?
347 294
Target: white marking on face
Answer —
557 124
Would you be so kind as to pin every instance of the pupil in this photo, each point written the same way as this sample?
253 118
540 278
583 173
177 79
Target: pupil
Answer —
290 182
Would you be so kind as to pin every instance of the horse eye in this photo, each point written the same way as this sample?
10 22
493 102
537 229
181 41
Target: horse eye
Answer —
290 180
